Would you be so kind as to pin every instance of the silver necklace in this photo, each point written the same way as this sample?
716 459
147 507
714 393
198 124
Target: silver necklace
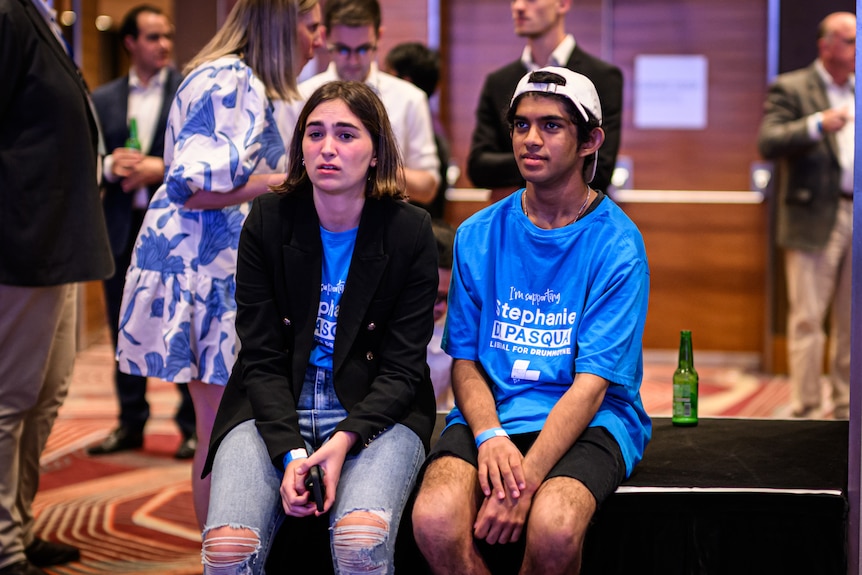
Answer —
577 217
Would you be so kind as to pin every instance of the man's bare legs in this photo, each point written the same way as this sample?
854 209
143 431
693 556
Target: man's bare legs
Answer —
443 517
560 515
446 509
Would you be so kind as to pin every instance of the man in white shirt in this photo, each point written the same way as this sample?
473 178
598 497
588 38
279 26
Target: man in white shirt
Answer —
808 129
130 178
353 29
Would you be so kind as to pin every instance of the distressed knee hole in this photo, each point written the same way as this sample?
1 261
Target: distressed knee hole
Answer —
229 550
359 541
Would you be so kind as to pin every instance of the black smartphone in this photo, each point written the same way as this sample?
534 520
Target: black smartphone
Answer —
314 483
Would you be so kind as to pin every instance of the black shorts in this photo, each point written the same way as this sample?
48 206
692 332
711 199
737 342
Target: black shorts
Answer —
595 458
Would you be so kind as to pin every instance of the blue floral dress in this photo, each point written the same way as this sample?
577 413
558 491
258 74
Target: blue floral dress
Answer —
177 316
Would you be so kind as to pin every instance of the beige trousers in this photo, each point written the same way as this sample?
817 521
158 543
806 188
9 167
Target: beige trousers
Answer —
817 280
37 353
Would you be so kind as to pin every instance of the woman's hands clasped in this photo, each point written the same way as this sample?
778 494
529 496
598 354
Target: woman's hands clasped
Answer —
295 497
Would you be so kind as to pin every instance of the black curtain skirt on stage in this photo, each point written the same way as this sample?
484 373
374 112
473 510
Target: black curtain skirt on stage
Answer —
729 496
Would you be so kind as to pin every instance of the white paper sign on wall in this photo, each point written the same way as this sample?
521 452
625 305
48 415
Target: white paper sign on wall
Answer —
670 92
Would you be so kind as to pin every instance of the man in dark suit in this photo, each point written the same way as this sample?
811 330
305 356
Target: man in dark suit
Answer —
491 163
52 235
808 128
130 178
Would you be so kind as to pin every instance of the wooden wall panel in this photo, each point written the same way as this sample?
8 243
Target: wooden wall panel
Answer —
196 22
117 9
403 21
732 36
707 273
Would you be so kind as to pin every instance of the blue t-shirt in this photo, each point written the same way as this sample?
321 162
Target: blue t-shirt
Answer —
337 251
534 307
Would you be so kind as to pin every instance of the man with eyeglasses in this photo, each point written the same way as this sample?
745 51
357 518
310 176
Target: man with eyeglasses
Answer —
808 129
131 177
353 29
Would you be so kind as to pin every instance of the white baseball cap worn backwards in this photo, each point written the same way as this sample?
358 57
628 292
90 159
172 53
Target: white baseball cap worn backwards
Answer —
577 88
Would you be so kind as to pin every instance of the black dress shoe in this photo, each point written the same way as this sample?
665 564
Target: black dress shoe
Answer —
804 412
21 568
46 553
121 439
187 448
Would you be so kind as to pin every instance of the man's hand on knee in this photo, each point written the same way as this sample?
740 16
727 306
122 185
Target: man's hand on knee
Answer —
502 520
501 468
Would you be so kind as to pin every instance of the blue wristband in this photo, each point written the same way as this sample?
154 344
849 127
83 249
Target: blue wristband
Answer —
298 453
489 433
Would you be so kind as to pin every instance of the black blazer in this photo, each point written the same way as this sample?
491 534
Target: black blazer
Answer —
384 325
112 104
491 163
52 230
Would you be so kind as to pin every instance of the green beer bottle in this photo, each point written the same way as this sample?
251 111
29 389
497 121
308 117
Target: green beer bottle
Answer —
132 142
685 384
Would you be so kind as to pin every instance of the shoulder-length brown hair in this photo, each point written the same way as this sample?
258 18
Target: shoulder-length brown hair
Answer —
384 179
263 33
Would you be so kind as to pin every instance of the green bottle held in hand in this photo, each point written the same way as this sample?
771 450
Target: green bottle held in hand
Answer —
685 384
132 142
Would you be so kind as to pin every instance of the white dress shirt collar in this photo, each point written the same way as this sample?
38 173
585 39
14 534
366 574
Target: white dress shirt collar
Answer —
559 57
46 9
372 80
830 83
157 81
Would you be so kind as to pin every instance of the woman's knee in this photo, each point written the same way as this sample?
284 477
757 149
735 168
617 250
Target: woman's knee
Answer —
360 541
229 550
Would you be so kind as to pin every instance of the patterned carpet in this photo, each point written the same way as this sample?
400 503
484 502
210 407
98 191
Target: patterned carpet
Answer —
132 512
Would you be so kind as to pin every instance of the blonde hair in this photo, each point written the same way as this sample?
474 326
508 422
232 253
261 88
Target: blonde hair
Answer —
263 33
384 179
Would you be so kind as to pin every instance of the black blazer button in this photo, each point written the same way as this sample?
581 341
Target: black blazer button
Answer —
369 356
286 321
372 326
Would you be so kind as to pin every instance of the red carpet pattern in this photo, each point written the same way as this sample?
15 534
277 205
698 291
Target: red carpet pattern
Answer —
131 513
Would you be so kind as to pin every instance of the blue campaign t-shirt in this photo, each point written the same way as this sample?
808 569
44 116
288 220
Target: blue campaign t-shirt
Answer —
534 307
337 251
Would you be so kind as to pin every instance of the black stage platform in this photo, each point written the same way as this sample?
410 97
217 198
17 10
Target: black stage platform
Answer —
730 496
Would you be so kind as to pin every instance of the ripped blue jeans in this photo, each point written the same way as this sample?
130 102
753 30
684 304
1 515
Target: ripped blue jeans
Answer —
245 488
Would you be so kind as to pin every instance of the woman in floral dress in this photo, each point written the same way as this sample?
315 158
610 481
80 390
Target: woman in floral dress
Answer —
224 145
